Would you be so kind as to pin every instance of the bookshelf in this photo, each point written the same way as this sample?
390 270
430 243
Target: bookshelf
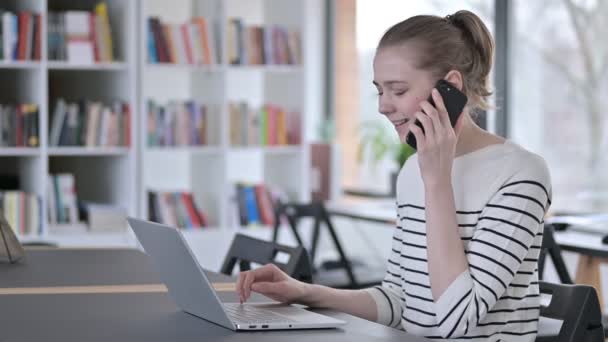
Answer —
102 174
123 175
210 172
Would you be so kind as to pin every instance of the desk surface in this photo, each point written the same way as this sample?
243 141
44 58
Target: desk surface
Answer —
580 241
79 267
130 316
574 239
378 211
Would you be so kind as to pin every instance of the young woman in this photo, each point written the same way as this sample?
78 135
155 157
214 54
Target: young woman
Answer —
470 205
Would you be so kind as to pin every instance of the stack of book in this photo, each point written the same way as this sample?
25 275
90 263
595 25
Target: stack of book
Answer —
62 199
20 36
80 37
255 45
176 209
193 42
19 125
103 217
90 123
254 204
23 211
180 123
270 125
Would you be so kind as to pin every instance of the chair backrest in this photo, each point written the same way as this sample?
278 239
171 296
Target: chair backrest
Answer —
293 213
550 247
246 250
578 307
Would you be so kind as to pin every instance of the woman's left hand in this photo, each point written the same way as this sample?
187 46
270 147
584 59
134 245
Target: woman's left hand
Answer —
437 145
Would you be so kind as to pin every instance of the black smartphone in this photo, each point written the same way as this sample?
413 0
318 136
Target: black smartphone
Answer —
454 101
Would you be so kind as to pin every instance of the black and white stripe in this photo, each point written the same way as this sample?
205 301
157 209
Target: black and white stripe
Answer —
498 295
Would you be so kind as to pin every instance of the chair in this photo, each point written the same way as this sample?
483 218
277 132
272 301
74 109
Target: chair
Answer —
331 275
578 307
247 250
551 248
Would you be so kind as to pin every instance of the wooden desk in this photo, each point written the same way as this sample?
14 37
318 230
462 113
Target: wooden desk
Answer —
114 311
592 254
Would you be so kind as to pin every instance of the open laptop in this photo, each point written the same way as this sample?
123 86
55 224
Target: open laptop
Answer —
193 293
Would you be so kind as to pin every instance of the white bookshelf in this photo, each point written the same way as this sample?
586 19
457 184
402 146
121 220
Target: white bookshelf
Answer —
103 175
123 176
211 172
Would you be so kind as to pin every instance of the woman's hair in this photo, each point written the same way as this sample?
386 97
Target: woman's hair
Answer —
460 41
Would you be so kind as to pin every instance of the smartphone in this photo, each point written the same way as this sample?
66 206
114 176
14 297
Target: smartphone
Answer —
454 101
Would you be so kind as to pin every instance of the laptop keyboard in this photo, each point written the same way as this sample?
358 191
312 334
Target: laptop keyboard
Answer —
252 314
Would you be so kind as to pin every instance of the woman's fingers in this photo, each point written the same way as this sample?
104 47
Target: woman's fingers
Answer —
427 125
247 285
420 139
239 285
432 113
266 273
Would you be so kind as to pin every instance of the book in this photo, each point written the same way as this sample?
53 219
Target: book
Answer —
78 34
262 45
179 123
107 51
177 209
90 123
19 35
265 205
253 214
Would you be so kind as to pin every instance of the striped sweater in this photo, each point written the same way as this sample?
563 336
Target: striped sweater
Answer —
501 193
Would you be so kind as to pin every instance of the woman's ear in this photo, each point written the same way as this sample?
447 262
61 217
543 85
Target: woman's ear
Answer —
455 78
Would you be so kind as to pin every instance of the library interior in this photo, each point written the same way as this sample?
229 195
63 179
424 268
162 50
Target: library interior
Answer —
348 170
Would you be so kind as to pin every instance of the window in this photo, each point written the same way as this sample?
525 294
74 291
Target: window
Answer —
558 107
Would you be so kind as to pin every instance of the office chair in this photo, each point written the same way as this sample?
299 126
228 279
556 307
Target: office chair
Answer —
247 250
578 307
330 274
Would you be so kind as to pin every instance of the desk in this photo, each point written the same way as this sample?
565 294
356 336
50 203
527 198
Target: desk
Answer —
149 316
378 211
592 254
586 243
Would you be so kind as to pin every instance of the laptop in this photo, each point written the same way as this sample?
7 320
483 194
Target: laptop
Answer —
192 292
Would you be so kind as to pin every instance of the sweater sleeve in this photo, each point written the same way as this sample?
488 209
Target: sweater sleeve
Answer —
387 295
506 230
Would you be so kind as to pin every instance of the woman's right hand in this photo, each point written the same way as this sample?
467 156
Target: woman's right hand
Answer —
271 282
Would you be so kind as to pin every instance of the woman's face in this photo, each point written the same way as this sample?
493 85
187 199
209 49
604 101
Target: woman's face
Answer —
401 87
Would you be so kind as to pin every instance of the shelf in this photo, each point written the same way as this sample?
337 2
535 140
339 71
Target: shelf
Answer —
61 65
184 67
89 151
282 149
267 149
185 149
287 68
19 152
30 237
20 65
